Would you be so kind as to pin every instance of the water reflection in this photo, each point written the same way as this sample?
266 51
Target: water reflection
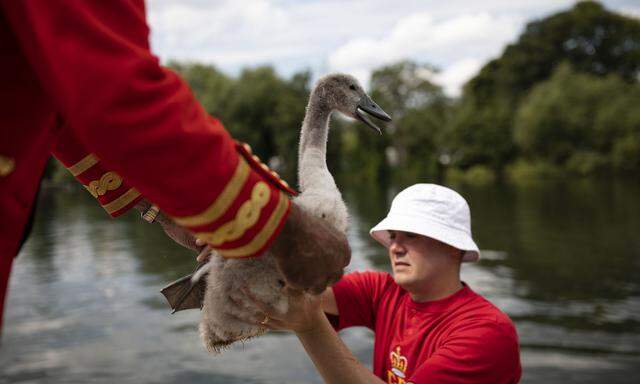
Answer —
572 248
562 258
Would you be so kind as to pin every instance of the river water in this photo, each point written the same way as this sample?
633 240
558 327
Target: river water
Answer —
561 258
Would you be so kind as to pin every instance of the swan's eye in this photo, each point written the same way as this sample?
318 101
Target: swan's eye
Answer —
352 87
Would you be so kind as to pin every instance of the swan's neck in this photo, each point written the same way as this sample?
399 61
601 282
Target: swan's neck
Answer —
312 153
315 127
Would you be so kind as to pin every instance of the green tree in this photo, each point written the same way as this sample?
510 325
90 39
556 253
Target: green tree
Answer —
578 121
267 111
419 110
592 39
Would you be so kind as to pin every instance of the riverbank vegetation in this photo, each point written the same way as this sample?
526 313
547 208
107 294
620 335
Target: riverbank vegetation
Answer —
562 100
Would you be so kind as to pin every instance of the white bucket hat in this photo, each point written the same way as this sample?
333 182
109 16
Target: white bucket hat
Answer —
430 210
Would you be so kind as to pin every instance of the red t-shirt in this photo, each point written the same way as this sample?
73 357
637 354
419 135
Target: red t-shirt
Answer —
462 338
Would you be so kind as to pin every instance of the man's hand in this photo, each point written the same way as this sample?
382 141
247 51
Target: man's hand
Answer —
304 313
310 253
177 233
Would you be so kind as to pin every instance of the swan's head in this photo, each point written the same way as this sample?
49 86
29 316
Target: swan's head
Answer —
344 93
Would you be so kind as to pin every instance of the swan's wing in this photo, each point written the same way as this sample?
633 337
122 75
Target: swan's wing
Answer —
184 294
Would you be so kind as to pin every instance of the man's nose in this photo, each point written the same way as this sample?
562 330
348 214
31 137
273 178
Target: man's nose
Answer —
396 248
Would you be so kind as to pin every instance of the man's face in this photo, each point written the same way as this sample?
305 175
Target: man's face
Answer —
417 259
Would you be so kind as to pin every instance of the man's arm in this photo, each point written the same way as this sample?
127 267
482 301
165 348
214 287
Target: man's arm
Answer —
143 122
109 189
332 358
306 317
329 304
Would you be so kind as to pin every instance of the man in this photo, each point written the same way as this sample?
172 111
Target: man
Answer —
78 80
429 326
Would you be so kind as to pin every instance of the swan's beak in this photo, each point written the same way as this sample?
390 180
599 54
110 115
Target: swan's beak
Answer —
370 107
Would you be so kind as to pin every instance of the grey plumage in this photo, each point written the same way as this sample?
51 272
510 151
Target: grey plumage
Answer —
224 299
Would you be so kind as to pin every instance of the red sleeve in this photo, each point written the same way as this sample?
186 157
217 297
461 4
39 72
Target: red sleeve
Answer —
357 297
106 186
142 121
480 352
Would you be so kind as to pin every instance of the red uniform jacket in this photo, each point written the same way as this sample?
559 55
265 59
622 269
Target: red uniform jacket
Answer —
78 79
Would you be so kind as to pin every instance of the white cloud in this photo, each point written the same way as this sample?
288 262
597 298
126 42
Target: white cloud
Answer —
353 36
228 31
631 12
458 45
454 76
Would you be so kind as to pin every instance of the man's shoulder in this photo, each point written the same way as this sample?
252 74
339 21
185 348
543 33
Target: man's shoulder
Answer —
378 283
488 314
479 312
374 277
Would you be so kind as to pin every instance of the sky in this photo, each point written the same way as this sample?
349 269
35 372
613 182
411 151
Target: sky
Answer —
356 37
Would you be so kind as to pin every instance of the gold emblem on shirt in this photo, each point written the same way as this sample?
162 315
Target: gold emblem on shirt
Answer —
396 375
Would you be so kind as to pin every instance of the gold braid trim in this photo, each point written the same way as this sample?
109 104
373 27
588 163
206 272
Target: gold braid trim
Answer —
121 201
264 235
223 202
110 181
246 217
84 164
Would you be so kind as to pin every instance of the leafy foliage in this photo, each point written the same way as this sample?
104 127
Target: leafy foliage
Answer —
591 39
412 141
575 120
562 98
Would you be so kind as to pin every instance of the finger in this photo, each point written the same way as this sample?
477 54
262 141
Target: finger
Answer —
272 323
204 255
200 242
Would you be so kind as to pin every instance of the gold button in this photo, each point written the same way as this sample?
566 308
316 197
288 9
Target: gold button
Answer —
247 147
7 165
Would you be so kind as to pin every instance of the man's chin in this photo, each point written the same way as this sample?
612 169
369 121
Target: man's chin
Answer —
404 280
